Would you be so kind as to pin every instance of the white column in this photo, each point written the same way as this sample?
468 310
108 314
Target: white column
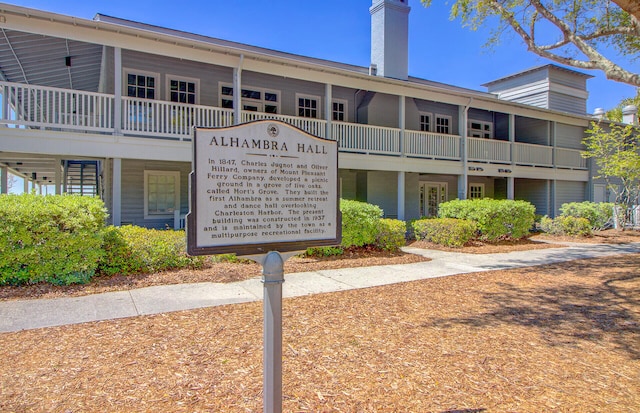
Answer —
116 207
512 140
328 109
237 92
4 180
57 179
401 174
462 129
117 92
510 187
25 182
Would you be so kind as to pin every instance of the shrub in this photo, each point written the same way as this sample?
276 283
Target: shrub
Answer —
131 249
359 223
53 238
323 251
566 225
599 215
496 219
391 234
450 232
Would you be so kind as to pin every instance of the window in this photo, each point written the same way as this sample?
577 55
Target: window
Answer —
161 193
253 99
425 122
443 124
141 85
476 191
182 90
339 110
480 129
308 106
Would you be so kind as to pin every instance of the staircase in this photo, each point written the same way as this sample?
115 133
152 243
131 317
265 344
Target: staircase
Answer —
82 177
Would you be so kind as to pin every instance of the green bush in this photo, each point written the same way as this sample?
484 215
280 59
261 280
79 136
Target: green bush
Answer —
55 239
599 214
496 219
450 232
566 225
131 249
391 234
324 251
359 223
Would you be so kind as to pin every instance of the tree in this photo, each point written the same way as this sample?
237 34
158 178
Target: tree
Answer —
615 114
571 32
616 150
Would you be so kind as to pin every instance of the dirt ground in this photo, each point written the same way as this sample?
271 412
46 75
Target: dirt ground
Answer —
562 338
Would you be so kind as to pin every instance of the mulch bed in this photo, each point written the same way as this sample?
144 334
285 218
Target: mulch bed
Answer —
562 338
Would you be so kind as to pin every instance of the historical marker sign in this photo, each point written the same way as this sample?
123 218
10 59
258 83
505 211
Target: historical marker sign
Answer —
262 186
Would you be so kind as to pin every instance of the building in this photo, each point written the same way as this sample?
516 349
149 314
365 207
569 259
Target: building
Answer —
106 106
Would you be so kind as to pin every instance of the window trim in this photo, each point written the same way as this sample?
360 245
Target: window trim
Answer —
261 103
449 126
430 116
169 78
318 100
129 71
345 113
478 185
480 131
149 172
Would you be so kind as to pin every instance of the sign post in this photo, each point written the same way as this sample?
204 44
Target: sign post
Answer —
259 189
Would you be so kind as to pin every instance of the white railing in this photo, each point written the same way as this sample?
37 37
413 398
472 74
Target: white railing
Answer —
529 154
40 106
170 119
354 137
431 145
313 126
488 150
569 158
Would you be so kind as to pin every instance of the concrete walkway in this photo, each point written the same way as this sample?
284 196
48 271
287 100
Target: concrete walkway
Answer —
30 314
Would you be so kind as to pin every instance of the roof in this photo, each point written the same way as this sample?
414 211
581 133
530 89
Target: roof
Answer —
537 69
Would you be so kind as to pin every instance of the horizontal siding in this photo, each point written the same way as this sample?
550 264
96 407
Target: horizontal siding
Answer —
540 100
529 130
568 191
440 109
481 115
534 191
518 81
566 103
133 190
569 136
568 79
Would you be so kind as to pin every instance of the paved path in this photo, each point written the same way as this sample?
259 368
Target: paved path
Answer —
30 314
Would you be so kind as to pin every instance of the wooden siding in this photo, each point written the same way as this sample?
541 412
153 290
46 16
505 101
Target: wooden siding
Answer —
568 79
566 103
133 191
569 136
569 191
440 109
534 191
529 130
382 190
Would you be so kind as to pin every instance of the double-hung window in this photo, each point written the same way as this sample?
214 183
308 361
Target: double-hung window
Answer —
476 191
339 110
480 129
425 122
443 124
308 106
140 85
182 90
161 193
252 99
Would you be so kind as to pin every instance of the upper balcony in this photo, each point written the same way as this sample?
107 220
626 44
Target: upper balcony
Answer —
47 108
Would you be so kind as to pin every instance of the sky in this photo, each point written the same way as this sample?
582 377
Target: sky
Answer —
440 50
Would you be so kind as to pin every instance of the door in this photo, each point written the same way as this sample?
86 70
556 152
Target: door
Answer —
432 194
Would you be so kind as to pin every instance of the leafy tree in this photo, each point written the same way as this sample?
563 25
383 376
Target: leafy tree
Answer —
570 32
615 114
616 151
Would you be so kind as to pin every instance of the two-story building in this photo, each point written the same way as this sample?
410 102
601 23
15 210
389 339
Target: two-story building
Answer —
106 106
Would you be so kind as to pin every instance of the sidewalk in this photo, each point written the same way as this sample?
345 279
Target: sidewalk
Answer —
30 314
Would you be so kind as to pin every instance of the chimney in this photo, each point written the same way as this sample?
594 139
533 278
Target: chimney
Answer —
630 115
390 38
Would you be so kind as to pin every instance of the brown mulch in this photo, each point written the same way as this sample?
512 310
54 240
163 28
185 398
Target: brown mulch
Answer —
562 338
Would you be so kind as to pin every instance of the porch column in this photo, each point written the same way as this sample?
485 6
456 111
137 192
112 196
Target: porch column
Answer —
328 109
462 129
237 92
4 180
512 140
25 182
57 179
117 92
116 206
510 187
401 174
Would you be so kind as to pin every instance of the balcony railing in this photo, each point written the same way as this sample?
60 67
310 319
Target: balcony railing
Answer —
28 106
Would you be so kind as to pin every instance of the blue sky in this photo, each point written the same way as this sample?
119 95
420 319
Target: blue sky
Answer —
439 49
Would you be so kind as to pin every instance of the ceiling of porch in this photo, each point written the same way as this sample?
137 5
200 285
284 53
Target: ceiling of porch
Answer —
49 61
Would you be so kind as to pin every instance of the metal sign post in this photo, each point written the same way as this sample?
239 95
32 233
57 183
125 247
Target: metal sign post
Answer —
272 279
